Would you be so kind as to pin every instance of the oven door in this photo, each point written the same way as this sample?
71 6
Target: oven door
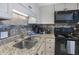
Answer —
60 47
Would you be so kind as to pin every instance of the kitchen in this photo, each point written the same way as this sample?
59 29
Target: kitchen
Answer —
33 28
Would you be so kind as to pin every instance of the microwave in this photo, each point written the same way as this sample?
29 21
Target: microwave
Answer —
70 16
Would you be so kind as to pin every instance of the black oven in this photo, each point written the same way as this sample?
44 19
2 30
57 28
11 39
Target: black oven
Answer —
65 42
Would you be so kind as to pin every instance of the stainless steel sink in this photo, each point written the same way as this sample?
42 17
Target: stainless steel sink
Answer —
27 43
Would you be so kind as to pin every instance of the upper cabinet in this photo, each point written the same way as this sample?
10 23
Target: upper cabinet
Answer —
71 6
32 7
26 10
33 11
19 8
59 6
4 7
65 6
18 14
47 14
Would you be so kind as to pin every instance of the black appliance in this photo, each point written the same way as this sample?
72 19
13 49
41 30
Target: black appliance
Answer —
65 42
70 16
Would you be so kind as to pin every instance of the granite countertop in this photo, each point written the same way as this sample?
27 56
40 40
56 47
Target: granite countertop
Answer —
9 49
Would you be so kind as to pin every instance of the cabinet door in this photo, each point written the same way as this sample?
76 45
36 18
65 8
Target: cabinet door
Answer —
29 6
20 8
33 8
47 14
4 10
3 7
10 8
71 6
59 7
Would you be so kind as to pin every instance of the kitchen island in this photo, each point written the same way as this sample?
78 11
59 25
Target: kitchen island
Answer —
45 45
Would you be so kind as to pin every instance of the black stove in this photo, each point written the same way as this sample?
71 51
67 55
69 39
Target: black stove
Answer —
66 42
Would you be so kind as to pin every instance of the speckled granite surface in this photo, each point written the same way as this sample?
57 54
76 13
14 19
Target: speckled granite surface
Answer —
44 46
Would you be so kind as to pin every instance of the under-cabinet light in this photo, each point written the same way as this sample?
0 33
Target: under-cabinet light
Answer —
18 12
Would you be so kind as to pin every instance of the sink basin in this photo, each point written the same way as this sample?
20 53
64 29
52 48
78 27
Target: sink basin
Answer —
27 43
